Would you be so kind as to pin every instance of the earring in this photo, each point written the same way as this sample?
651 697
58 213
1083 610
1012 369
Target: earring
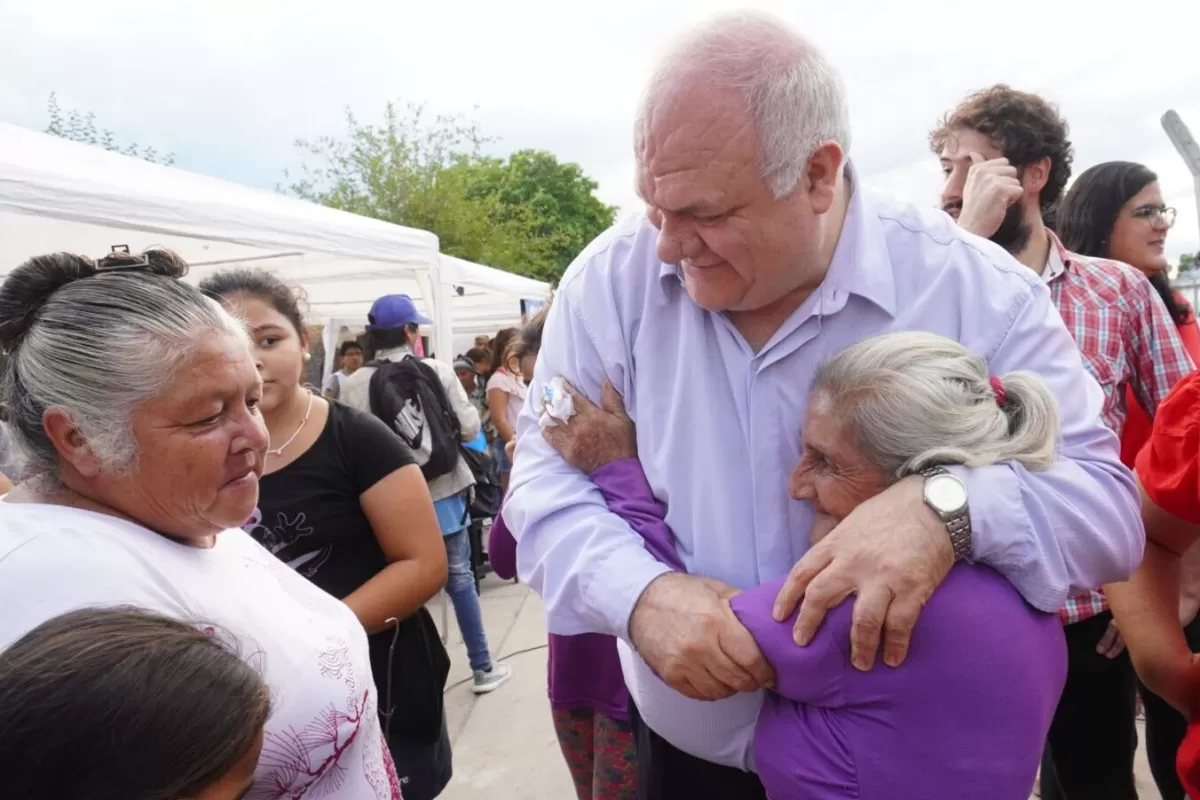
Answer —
308 356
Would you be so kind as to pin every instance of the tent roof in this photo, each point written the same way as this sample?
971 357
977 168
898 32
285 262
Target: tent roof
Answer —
61 195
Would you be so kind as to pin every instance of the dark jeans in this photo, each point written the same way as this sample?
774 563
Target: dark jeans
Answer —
666 773
1090 749
1165 729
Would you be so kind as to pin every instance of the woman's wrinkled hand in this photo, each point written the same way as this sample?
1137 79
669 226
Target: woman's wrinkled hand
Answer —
595 435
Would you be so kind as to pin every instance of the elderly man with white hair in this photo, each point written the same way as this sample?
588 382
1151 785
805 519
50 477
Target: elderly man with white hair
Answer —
761 254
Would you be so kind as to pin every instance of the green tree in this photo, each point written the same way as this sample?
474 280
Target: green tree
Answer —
429 173
1188 262
80 127
560 198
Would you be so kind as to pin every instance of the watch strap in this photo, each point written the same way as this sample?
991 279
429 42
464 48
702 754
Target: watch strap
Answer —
958 524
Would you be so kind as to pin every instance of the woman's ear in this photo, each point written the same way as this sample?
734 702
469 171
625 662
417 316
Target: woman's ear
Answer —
70 443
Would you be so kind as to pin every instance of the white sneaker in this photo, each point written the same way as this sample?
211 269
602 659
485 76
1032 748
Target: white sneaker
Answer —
492 679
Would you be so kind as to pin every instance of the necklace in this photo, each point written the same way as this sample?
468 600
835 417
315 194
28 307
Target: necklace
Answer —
278 451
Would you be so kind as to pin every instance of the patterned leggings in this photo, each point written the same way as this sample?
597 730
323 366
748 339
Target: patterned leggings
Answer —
600 753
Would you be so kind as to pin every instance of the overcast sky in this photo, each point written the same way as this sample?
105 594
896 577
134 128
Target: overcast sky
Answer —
227 85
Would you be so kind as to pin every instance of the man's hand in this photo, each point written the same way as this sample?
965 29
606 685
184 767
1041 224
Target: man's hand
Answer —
991 187
595 435
892 551
1111 644
684 629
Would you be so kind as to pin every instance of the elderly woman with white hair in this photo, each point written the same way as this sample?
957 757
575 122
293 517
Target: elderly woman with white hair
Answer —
966 715
135 401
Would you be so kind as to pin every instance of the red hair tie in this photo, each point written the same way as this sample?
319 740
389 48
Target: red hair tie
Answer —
998 389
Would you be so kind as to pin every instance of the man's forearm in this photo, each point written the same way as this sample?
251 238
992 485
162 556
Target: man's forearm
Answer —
1077 525
588 565
1064 531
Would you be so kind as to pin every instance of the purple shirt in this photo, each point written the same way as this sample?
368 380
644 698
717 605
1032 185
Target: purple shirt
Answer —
582 670
964 717
718 422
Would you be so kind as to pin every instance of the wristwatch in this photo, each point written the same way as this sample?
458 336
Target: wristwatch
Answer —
947 496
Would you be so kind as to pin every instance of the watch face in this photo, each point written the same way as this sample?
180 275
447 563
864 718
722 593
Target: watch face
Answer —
945 493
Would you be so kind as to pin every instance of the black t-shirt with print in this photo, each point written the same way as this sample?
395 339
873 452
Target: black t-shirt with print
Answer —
311 515
311 518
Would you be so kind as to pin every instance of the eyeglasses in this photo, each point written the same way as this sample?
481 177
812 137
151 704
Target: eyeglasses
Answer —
1156 215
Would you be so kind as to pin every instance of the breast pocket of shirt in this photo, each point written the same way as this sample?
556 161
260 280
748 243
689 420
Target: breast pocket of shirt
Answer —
1102 352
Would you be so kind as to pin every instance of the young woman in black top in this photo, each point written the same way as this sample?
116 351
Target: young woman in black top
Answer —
343 503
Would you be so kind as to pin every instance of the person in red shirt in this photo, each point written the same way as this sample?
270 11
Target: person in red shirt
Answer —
1115 210
1146 607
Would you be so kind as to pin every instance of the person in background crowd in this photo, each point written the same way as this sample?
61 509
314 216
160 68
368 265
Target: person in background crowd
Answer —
529 344
344 504
135 398
483 341
887 407
465 370
481 361
589 703
499 346
1116 210
123 704
352 360
1006 156
505 398
761 252
392 328
481 357
1147 606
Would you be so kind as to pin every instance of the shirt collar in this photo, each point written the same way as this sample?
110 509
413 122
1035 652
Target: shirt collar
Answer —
393 353
1057 260
860 262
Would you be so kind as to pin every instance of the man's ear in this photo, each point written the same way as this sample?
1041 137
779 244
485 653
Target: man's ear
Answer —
821 175
70 442
1035 176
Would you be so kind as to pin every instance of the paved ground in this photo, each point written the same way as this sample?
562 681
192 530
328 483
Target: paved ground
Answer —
504 745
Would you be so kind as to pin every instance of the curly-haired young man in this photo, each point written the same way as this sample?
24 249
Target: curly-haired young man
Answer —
1007 157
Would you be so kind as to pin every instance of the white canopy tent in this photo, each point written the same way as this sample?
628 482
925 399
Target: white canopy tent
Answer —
482 301
60 195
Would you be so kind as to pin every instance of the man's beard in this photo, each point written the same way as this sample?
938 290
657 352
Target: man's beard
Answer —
1014 232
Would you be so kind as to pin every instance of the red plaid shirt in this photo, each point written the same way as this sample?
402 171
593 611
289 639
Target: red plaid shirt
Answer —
1127 339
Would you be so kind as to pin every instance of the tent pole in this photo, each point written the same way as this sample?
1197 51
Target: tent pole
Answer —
329 338
442 312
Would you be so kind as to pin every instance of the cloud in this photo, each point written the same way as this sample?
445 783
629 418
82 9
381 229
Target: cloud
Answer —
228 85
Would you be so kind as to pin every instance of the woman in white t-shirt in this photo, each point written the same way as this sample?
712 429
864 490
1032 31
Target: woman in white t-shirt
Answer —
134 398
505 397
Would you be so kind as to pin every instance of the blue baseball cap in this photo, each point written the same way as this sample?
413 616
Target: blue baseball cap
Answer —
394 311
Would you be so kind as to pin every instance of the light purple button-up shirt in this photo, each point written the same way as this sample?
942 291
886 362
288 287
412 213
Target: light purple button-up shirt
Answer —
718 434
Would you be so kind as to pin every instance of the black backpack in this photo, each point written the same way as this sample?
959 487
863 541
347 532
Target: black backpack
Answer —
408 395
486 495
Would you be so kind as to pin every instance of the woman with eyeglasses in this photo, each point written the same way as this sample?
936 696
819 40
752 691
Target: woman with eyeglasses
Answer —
1116 210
